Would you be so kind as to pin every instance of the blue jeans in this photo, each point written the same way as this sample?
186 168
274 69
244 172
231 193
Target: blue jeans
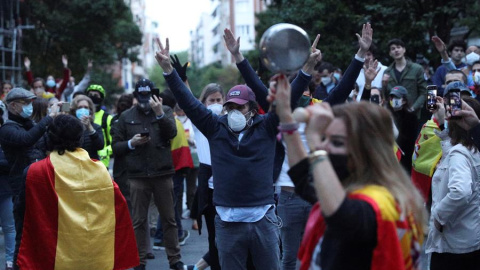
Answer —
236 239
8 226
294 213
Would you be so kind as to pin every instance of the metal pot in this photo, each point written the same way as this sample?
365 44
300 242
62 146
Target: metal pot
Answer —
284 48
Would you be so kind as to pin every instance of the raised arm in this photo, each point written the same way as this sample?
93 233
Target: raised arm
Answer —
66 77
200 116
370 72
28 71
340 93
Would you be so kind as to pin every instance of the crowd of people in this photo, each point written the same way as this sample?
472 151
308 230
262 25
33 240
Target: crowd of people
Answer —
321 169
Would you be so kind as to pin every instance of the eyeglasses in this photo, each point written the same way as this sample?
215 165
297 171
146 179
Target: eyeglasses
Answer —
475 70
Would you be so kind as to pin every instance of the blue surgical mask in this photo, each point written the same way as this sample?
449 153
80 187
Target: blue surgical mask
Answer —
445 124
337 76
50 83
82 112
27 110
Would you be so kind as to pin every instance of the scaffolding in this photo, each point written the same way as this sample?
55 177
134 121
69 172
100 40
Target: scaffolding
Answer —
10 41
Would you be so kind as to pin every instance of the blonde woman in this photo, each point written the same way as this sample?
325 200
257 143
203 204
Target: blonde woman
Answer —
368 210
82 107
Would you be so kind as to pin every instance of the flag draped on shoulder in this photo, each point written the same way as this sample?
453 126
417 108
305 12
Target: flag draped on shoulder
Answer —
426 155
181 156
75 217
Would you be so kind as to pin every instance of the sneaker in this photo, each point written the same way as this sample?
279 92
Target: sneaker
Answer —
185 236
178 266
158 245
9 265
140 267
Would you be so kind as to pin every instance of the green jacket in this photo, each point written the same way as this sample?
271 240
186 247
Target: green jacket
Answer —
106 124
413 80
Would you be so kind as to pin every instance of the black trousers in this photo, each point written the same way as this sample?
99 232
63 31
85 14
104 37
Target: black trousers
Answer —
466 261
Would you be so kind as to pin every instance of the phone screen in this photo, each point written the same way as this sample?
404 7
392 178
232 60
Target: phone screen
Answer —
375 99
454 103
145 134
431 97
65 107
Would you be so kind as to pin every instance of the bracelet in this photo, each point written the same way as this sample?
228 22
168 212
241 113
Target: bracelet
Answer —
317 156
288 128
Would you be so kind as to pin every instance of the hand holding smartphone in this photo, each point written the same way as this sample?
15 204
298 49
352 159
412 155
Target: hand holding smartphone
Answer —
65 107
453 103
431 97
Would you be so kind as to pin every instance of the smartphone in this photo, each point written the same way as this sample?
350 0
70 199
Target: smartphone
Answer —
155 92
65 107
454 103
145 134
375 99
431 97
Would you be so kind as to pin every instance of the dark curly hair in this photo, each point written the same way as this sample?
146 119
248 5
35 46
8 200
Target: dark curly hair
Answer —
65 133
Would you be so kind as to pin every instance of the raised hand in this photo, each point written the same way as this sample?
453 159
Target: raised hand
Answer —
156 105
65 61
233 45
279 94
365 40
320 115
163 56
314 58
181 70
370 70
441 48
27 63
468 116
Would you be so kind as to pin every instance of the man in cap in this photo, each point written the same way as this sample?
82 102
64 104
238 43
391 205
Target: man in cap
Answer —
143 134
97 94
18 136
242 147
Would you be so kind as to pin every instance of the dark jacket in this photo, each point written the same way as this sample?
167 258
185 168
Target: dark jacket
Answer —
5 190
17 138
413 80
242 170
407 124
93 143
153 158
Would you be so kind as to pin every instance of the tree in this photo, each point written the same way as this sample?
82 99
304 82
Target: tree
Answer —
198 78
102 30
338 21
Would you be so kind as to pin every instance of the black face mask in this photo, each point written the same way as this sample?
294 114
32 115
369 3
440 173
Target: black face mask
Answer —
340 165
96 100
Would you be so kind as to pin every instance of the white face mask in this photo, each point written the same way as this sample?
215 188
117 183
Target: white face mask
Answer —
236 120
215 108
326 80
476 78
472 58
396 103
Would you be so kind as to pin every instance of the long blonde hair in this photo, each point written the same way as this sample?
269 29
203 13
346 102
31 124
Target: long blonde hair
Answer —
371 155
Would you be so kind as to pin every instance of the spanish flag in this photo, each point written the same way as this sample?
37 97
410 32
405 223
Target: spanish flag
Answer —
75 217
181 156
426 155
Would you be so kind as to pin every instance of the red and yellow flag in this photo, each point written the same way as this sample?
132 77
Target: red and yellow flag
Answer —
426 155
181 156
75 217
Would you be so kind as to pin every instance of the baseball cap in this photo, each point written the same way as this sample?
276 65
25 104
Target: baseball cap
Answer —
398 91
19 93
240 94
144 85
458 85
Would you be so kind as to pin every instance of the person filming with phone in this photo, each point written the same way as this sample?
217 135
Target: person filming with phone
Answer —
83 108
453 239
142 134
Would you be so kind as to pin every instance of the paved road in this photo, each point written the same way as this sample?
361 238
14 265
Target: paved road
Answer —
194 248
